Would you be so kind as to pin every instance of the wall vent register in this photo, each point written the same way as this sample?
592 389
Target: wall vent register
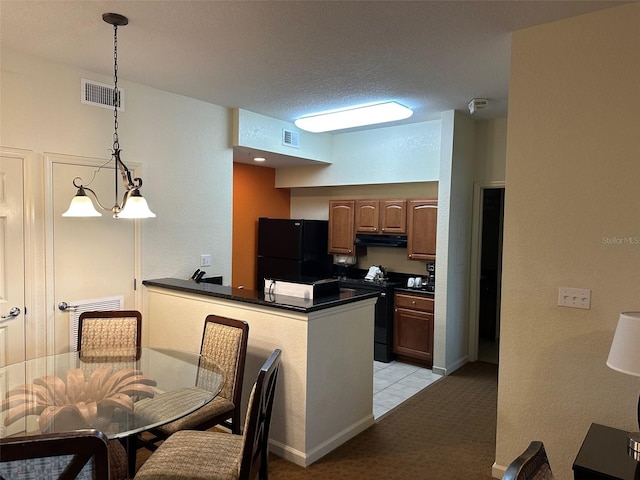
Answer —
100 95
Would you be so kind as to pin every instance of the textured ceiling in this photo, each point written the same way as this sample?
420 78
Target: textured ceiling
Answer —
293 58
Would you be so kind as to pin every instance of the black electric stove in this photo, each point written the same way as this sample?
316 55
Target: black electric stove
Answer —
383 322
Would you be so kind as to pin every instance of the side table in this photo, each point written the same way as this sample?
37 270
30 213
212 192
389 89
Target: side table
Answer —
603 455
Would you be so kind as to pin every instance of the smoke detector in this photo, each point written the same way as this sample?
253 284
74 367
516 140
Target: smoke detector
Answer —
477 104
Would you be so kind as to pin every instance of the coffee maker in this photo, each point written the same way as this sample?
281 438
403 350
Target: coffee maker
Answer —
343 264
431 277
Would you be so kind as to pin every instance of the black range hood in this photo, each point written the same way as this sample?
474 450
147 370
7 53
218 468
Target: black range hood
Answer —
368 240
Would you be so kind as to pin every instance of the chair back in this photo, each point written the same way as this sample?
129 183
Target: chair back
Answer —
224 341
101 333
533 464
81 454
255 450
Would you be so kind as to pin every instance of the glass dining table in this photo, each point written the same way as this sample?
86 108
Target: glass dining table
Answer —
121 393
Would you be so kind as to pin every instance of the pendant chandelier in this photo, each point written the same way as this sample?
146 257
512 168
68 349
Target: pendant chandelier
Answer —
133 204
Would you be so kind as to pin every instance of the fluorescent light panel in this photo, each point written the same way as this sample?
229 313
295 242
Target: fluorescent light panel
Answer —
354 117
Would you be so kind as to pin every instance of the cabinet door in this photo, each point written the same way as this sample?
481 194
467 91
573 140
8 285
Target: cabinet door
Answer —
393 216
367 216
341 227
421 229
413 335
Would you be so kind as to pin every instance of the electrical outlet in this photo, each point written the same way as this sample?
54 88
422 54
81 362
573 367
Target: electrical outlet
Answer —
574 297
205 260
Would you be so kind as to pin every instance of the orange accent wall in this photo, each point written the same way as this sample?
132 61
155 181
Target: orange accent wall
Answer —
254 196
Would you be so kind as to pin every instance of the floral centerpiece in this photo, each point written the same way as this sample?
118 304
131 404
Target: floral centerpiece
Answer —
78 403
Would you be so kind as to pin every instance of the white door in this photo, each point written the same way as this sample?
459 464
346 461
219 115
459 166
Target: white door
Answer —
12 266
93 258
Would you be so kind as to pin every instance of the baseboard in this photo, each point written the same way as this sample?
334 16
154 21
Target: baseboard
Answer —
451 368
304 459
289 454
497 471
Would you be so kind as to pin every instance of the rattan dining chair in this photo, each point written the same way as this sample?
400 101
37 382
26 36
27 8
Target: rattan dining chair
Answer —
215 455
532 464
105 336
224 341
81 454
111 333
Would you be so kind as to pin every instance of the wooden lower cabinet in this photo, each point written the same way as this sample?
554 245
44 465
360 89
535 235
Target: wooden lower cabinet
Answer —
413 328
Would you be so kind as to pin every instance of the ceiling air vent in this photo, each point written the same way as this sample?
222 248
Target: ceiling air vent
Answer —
100 94
290 138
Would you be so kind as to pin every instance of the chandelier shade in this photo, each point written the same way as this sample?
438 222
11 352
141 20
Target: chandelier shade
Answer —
136 207
81 206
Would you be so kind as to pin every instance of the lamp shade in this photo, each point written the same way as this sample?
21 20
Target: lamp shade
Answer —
136 207
81 206
624 355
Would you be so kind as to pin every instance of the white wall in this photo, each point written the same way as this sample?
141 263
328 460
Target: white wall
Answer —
400 154
255 131
182 144
490 150
573 163
453 243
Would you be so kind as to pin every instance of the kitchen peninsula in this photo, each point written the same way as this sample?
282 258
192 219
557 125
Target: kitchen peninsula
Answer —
324 394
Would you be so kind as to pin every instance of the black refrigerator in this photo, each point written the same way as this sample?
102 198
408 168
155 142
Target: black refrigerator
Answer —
292 249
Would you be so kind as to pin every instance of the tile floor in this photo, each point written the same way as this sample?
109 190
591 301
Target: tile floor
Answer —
395 382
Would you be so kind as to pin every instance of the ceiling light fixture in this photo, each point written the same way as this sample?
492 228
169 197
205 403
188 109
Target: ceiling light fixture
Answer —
354 117
133 203
259 159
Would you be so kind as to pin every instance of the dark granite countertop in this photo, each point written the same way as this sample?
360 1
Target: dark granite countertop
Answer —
283 302
415 291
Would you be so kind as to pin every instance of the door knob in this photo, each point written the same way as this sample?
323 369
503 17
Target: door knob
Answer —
14 312
64 306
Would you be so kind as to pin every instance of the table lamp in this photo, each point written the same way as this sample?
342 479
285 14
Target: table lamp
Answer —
624 356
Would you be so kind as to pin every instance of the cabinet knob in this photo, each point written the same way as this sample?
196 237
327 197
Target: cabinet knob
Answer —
413 302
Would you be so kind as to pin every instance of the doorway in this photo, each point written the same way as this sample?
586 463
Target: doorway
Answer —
490 274
13 321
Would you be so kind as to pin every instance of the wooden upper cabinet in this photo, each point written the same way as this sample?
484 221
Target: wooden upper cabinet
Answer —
381 216
341 227
422 221
393 216
367 216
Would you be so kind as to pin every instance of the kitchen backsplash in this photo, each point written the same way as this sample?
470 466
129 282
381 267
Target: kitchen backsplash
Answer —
393 259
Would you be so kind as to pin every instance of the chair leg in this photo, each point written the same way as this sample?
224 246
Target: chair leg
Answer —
263 472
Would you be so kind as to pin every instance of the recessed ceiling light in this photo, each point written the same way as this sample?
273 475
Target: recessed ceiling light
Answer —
354 117
259 159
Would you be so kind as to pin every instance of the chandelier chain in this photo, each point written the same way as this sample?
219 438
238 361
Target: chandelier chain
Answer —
116 92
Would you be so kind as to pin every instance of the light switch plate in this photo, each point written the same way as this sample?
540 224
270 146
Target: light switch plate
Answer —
205 260
574 297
